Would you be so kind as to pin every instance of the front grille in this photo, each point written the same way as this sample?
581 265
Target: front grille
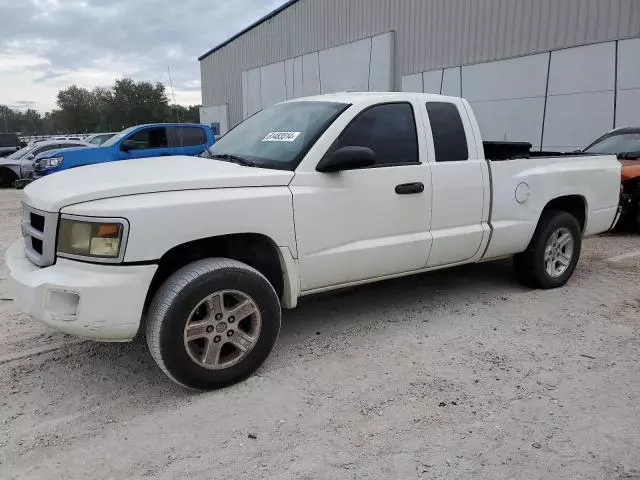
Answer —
37 221
37 245
39 232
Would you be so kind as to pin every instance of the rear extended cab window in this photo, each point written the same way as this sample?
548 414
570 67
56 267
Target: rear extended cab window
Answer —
449 139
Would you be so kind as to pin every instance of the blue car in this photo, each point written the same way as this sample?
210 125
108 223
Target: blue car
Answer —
141 141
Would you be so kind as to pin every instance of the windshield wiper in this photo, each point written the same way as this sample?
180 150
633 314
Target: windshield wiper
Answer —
234 159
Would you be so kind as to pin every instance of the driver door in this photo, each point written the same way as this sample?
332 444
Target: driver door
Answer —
358 225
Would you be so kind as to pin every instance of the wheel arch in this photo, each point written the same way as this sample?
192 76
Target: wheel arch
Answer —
11 174
255 249
574 204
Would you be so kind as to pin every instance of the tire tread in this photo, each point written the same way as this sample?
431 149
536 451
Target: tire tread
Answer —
164 298
526 269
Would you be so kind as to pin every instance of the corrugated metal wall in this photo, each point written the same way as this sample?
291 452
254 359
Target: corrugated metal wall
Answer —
430 34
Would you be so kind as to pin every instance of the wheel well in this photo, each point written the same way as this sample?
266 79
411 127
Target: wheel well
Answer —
256 250
7 175
572 204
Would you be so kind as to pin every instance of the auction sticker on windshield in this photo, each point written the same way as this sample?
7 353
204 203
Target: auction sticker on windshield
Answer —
281 137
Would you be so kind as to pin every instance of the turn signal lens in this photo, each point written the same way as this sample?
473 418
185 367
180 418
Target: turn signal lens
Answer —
108 230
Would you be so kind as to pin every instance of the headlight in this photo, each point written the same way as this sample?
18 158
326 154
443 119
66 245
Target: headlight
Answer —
92 239
51 162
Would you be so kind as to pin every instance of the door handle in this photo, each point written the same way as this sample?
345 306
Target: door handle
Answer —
164 154
409 188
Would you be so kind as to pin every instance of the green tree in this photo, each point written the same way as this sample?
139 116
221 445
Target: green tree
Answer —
139 102
25 123
80 110
180 113
105 109
77 109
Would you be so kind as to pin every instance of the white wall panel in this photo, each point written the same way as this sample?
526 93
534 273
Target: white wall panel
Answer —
345 67
451 82
272 84
429 34
514 78
629 63
432 81
245 94
412 83
254 102
590 68
628 110
289 77
297 78
310 74
574 121
216 113
516 120
381 69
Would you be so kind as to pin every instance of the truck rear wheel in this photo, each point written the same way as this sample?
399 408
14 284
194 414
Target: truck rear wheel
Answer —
213 323
553 253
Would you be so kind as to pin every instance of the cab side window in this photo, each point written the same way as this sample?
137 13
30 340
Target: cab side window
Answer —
449 139
389 130
150 138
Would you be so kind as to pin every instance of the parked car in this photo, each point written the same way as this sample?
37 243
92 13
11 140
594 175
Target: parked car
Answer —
19 165
625 144
153 140
306 196
76 138
99 138
9 143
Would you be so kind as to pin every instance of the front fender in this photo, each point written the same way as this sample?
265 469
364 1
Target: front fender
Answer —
160 221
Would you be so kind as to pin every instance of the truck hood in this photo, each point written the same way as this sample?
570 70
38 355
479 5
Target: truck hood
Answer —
72 151
147 175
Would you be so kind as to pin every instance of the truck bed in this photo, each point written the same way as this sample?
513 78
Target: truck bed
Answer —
520 189
501 151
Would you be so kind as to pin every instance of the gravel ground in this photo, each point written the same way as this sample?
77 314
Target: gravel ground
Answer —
456 374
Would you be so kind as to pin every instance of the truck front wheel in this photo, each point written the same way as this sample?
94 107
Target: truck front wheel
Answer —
553 253
213 323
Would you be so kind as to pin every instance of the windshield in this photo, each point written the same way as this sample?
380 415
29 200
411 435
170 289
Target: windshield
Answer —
22 152
113 140
616 144
100 139
279 136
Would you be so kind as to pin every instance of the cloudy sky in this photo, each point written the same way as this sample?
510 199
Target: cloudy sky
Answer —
46 45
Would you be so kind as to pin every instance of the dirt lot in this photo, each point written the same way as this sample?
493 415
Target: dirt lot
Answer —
459 374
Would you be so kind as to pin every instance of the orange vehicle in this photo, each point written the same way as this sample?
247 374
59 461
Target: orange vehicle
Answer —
625 143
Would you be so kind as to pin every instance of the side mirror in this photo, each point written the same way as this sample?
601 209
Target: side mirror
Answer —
30 156
347 158
128 145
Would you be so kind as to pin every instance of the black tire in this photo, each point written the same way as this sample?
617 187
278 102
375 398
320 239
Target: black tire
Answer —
181 293
529 265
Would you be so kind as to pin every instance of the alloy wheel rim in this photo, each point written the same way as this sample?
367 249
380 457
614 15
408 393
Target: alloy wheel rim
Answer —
222 329
558 252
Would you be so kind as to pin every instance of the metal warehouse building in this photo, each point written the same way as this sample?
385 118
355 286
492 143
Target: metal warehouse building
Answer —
556 73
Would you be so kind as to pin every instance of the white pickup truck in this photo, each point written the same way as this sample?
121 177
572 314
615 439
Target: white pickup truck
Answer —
306 196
